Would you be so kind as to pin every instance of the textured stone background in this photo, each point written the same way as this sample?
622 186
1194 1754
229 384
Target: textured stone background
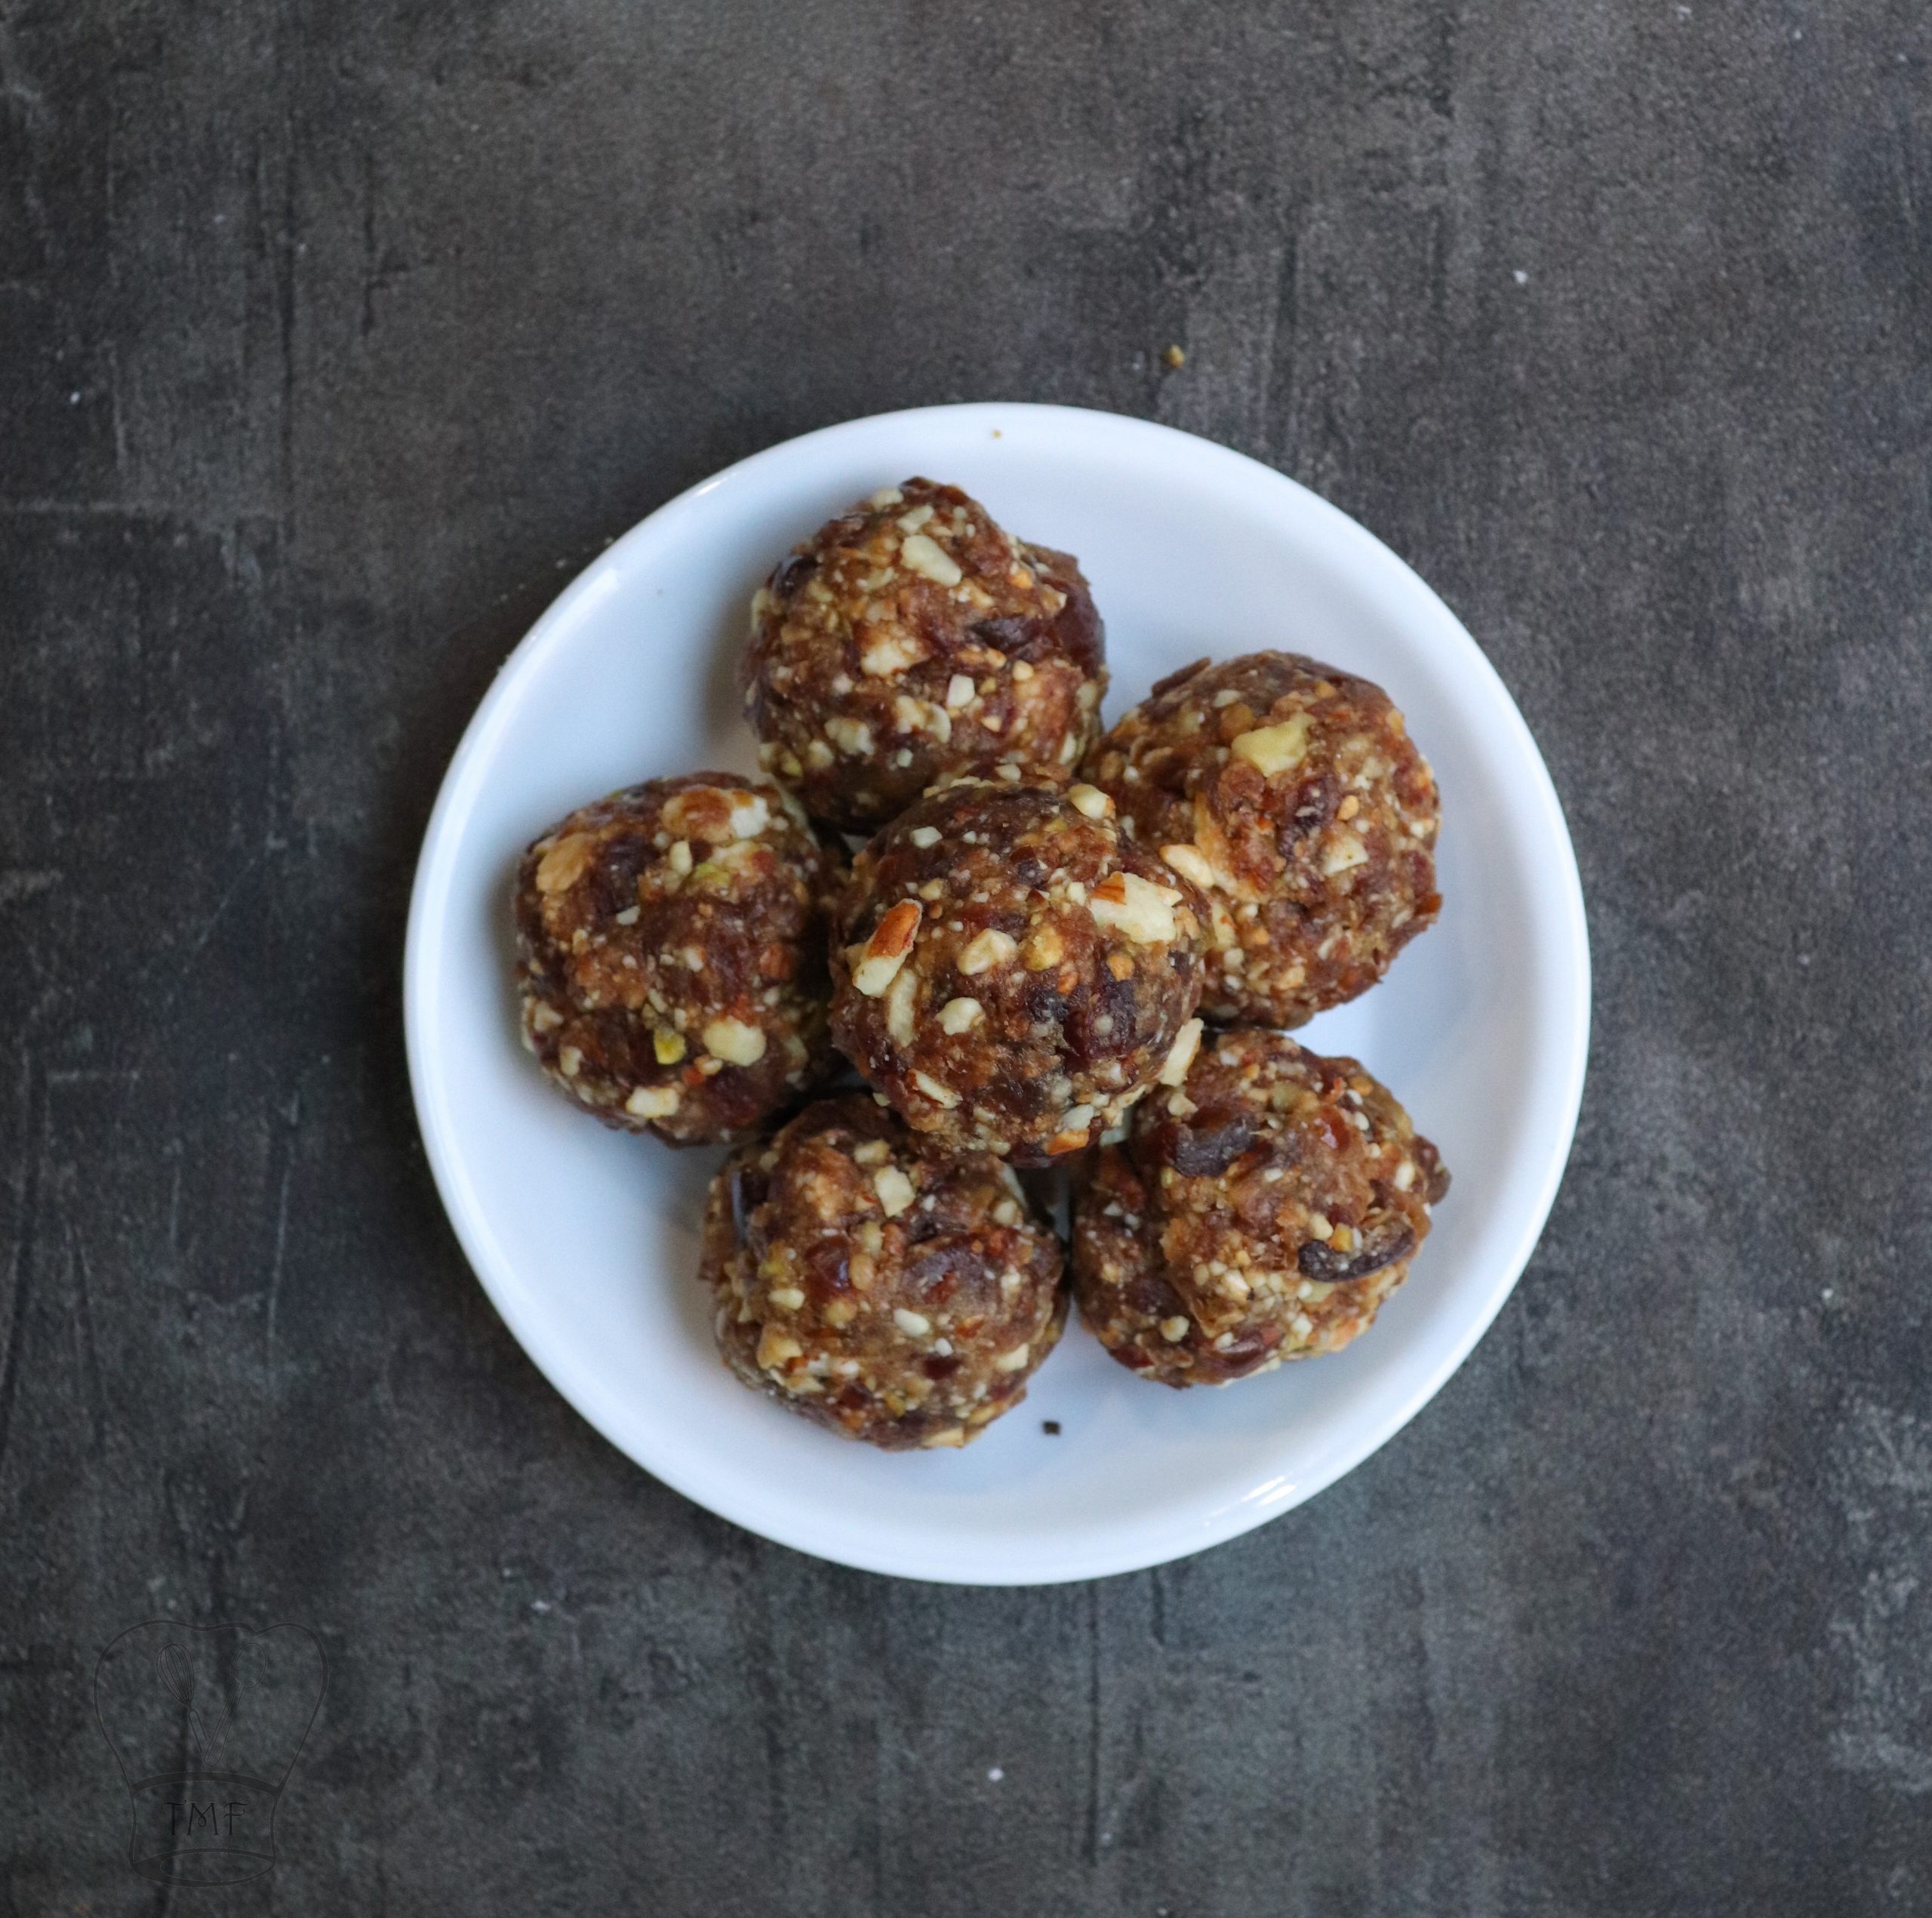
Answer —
334 333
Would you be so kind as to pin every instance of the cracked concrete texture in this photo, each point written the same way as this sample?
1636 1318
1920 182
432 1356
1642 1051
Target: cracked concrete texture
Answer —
331 337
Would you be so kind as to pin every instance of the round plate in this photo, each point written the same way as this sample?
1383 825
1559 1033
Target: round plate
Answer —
586 1240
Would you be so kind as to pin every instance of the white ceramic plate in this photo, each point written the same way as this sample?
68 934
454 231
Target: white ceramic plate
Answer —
586 1240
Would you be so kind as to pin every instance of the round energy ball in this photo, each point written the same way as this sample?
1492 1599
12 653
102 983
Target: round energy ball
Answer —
1263 1211
873 1282
671 955
1292 794
913 639
1009 971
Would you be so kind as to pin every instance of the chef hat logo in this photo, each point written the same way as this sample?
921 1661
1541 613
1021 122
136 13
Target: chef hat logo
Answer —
206 1722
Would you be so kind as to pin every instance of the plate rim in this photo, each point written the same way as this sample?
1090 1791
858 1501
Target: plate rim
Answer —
435 862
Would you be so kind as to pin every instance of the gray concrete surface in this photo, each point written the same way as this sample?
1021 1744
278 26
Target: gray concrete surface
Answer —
332 335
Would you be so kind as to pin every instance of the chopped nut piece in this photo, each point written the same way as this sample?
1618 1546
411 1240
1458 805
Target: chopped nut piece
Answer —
914 1325
750 815
775 1347
885 951
1345 853
565 863
959 692
1191 863
923 555
1015 1361
894 1189
1091 800
900 996
735 1042
652 1102
1175 1329
1273 749
669 1046
891 654
923 836
943 1095
959 1015
702 812
1180 1055
992 948
1044 948
1127 903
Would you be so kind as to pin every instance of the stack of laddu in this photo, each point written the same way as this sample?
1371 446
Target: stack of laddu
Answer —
1057 948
